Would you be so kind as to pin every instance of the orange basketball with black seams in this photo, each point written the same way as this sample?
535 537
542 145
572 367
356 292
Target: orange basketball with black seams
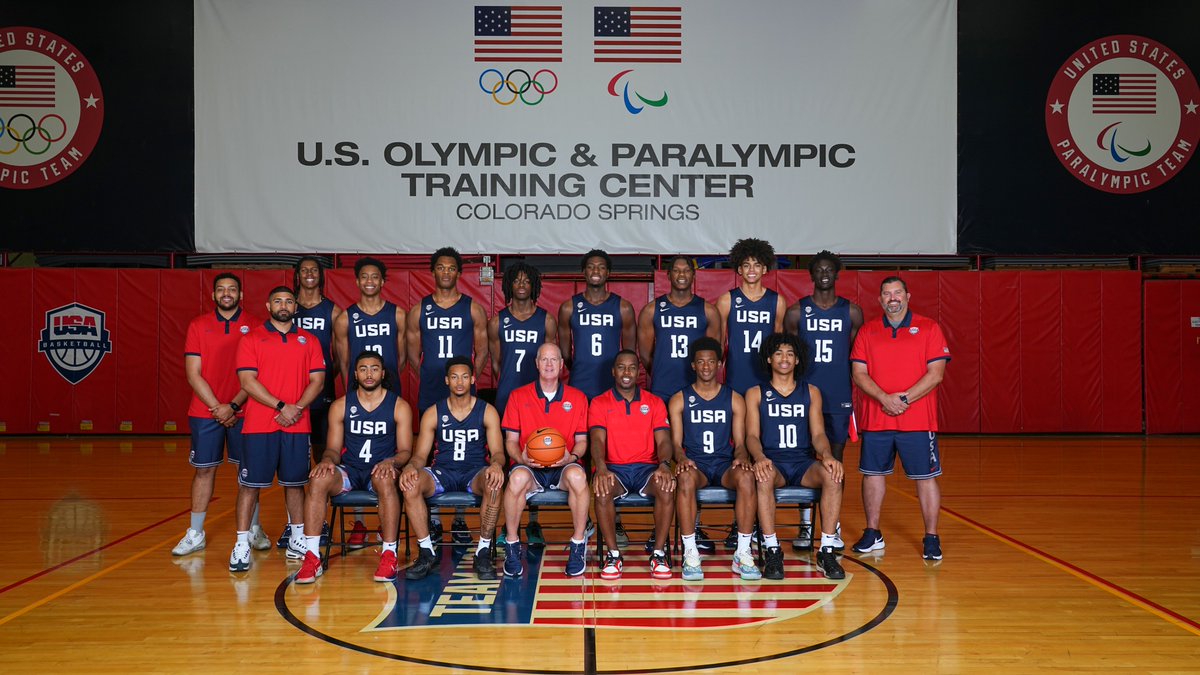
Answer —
545 446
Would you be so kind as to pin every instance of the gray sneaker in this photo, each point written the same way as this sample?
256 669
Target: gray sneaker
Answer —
192 541
259 541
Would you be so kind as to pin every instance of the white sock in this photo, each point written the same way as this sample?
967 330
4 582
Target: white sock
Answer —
389 546
313 545
770 541
426 543
297 531
689 544
577 542
243 537
743 545
483 543
614 553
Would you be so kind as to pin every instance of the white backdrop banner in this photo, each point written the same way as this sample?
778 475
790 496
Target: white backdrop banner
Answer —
404 126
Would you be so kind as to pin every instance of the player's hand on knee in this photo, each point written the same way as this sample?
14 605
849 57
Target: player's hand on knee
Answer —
684 464
384 471
494 477
836 470
603 483
322 469
408 479
764 470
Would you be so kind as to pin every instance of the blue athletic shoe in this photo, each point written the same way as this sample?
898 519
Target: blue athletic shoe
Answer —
576 559
933 547
512 560
872 540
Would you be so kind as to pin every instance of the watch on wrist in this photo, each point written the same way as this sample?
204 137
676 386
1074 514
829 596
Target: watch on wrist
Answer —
904 398
235 407
279 406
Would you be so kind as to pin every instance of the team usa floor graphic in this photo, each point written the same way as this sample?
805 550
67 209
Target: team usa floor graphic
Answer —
767 619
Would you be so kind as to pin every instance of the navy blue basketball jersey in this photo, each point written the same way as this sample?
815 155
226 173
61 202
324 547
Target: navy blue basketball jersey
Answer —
377 333
708 425
827 334
783 423
369 435
460 444
748 326
318 320
675 329
595 340
519 342
444 333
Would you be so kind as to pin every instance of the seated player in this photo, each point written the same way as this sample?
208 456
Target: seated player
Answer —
631 450
546 402
368 440
469 458
785 433
708 432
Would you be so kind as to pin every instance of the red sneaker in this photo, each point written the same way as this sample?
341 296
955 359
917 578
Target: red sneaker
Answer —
387 567
310 569
358 536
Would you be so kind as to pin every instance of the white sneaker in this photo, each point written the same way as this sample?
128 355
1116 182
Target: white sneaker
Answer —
743 565
239 560
838 544
259 541
192 541
296 548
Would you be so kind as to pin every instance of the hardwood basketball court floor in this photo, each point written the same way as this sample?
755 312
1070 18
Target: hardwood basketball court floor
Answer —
1073 553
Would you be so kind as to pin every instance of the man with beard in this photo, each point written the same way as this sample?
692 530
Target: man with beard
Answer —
593 326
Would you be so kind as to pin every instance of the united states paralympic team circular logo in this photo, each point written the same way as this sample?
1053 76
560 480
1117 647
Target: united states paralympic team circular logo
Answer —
51 108
1122 114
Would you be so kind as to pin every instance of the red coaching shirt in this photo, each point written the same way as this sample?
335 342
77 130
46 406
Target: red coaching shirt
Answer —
283 362
215 340
896 358
528 410
629 425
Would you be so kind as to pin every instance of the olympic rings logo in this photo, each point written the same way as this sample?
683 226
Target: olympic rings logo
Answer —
517 88
22 134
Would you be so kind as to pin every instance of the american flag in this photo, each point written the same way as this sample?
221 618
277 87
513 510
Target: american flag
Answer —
639 34
1124 94
26 86
518 33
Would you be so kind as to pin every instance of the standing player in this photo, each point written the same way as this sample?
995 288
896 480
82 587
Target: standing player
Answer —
280 366
317 314
514 336
898 362
785 434
708 431
630 439
827 323
593 326
469 458
445 324
376 325
371 323
749 313
369 439
215 412
547 402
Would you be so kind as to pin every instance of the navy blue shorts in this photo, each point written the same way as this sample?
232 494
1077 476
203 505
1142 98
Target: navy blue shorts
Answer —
918 452
210 439
793 471
837 427
713 469
446 479
356 477
545 479
275 454
632 477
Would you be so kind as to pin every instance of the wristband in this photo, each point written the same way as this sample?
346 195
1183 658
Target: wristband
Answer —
279 406
235 407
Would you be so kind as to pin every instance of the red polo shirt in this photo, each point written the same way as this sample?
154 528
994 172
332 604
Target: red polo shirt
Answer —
528 410
629 425
215 340
283 362
896 358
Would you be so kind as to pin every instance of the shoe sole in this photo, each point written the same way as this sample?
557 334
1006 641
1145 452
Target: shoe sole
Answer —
773 577
240 567
749 576
933 557
579 573
688 576
609 577
798 545
878 545
292 555
308 580
661 575
261 546
511 575
190 551
385 579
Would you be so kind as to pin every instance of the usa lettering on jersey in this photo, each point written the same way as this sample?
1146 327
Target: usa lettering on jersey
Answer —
813 325
708 417
753 316
369 427
586 319
665 321
777 410
311 323
443 322
372 330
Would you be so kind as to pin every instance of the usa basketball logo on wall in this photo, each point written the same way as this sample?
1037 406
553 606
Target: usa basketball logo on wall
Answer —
75 340
51 108
1121 114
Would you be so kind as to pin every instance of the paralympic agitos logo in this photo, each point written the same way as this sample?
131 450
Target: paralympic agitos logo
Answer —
1121 114
51 108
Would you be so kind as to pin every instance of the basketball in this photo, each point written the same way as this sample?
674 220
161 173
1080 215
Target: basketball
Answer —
545 446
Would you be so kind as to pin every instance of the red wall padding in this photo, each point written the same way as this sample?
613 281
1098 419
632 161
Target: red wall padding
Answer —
1032 351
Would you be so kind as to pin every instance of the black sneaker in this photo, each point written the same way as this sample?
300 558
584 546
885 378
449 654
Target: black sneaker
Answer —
484 568
731 538
459 533
933 547
872 540
423 566
827 562
649 544
706 545
804 538
324 534
284 536
773 563
435 532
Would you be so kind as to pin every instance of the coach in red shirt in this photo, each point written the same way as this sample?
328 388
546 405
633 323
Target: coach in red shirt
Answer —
282 369
898 362
631 451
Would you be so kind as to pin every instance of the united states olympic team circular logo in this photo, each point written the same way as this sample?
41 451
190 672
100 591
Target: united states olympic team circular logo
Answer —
1122 114
51 108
